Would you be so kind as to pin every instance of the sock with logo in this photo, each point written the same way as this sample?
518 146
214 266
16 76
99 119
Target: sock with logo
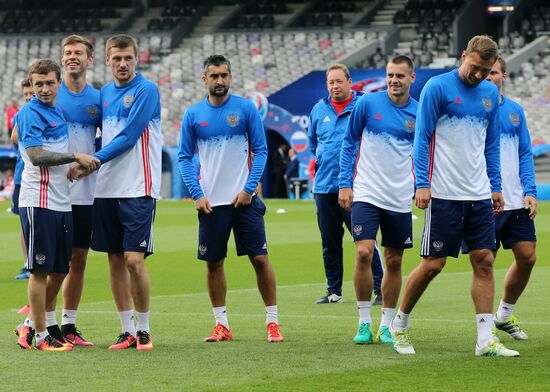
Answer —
505 311
127 322
484 329
29 323
401 321
387 316
39 337
68 317
220 313
142 321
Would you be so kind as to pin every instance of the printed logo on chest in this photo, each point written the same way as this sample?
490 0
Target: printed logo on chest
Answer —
232 119
514 118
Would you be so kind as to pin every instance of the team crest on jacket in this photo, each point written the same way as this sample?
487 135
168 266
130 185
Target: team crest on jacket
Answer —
128 100
92 111
410 124
487 103
514 118
232 119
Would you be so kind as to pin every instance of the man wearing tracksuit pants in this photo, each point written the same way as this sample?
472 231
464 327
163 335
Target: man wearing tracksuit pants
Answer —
328 122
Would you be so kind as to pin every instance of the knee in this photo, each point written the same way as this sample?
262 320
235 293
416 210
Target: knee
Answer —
484 264
432 267
135 265
214 267
56 278
393 263
528 261
364 254
260 262
78 263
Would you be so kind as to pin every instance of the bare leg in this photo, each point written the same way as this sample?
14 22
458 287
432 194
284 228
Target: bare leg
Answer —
483 283
418 281
265 278
362 275
37 299
120 282
391 282
519 272
74 283
215 282
53 285
139 280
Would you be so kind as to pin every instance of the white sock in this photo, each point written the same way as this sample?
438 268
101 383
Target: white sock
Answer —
484 327
51 318
401 321
29 323
271 314
220 313
127 322
505 311
143 321
40 336
387 316
68 317
364 311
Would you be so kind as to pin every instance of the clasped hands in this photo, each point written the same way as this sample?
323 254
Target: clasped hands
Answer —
85 164
242 199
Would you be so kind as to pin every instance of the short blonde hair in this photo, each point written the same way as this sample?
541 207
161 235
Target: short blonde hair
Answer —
484 46
78 39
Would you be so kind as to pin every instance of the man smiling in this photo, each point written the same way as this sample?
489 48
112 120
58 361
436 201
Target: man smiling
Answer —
376 184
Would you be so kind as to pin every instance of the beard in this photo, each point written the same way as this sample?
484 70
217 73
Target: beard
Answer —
215 93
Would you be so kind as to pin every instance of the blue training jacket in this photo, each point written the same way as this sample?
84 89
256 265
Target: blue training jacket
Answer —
326 133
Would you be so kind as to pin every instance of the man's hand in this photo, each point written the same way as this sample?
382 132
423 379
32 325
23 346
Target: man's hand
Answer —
498 203
345 198
242 199
88 162
422 197
202 205
530 203
76 172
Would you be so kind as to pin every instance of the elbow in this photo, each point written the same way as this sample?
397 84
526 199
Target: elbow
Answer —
34 158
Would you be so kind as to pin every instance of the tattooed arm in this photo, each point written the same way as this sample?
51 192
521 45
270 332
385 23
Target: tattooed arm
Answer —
41 157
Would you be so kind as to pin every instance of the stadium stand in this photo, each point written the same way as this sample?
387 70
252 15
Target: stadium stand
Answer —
531 88
271 43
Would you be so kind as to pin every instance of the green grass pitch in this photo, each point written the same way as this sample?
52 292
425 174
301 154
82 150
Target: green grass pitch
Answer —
318 353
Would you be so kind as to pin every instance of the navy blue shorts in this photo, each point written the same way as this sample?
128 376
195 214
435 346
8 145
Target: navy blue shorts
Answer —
514 226
82 222
396 227
449 222
49 239
123 225
511 227
15 200
248 229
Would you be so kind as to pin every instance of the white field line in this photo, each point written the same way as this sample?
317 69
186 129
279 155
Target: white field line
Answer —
255 289
279 287
295 316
